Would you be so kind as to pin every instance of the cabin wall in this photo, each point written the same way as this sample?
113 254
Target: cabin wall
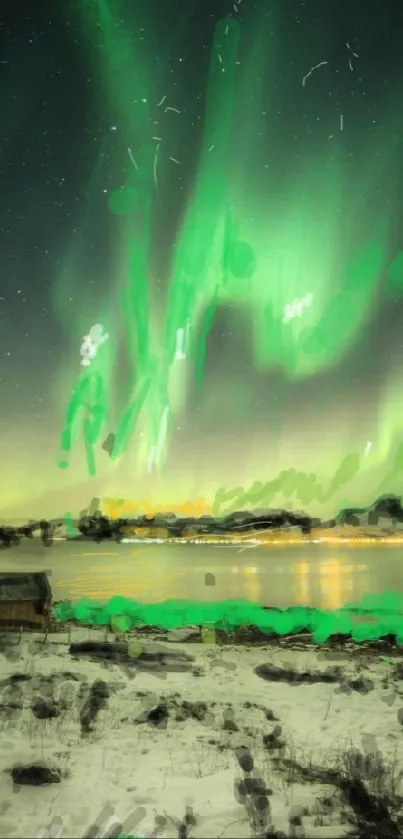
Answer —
26 613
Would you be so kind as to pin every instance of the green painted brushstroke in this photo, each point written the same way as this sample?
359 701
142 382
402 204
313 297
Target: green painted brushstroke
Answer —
384 611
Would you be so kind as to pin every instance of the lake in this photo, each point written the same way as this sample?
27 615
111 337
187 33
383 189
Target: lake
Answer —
316 575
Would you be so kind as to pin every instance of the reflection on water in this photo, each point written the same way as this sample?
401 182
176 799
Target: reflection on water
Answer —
333 581
137 583
315 575
329 583
252 583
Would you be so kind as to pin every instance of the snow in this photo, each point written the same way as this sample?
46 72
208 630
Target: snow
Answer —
125 765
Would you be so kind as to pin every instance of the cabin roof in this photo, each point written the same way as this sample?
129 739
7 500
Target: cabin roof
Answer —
27 586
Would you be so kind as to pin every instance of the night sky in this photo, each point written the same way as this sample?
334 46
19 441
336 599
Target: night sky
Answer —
219 187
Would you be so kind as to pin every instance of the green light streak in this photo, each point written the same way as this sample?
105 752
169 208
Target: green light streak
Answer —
128 420
231 246
193 290
199 245
123 84
88 395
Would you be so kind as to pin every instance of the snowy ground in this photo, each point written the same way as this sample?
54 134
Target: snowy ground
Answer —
161 737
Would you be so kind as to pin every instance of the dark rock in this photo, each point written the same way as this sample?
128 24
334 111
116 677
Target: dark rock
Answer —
272 741
98 650
249 785
97 700
260 803
189 820
157 717
296 821
240 791
164 660
230 725
160 660
256 786
100 692
368 808
15 678
271 673
244 758
35 774
361 685
45 709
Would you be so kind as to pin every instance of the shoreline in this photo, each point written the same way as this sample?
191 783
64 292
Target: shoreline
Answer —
321 537
242 636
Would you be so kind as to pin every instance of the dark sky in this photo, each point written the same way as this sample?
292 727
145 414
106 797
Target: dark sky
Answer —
63 151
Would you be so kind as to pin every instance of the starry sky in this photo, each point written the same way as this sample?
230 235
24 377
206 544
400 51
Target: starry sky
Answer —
220 188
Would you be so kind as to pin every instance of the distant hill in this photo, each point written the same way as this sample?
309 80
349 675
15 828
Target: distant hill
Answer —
383 516
386 512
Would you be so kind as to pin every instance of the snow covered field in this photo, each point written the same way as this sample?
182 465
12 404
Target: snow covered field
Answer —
157 736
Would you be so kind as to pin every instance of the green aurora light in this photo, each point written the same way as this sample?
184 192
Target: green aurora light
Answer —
227 250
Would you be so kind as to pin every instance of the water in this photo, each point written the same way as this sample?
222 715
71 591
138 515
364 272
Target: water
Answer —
320 576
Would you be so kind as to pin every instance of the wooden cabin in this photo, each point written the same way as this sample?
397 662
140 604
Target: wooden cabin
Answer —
25 600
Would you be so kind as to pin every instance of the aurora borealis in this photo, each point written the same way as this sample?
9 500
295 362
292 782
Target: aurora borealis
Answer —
229 211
